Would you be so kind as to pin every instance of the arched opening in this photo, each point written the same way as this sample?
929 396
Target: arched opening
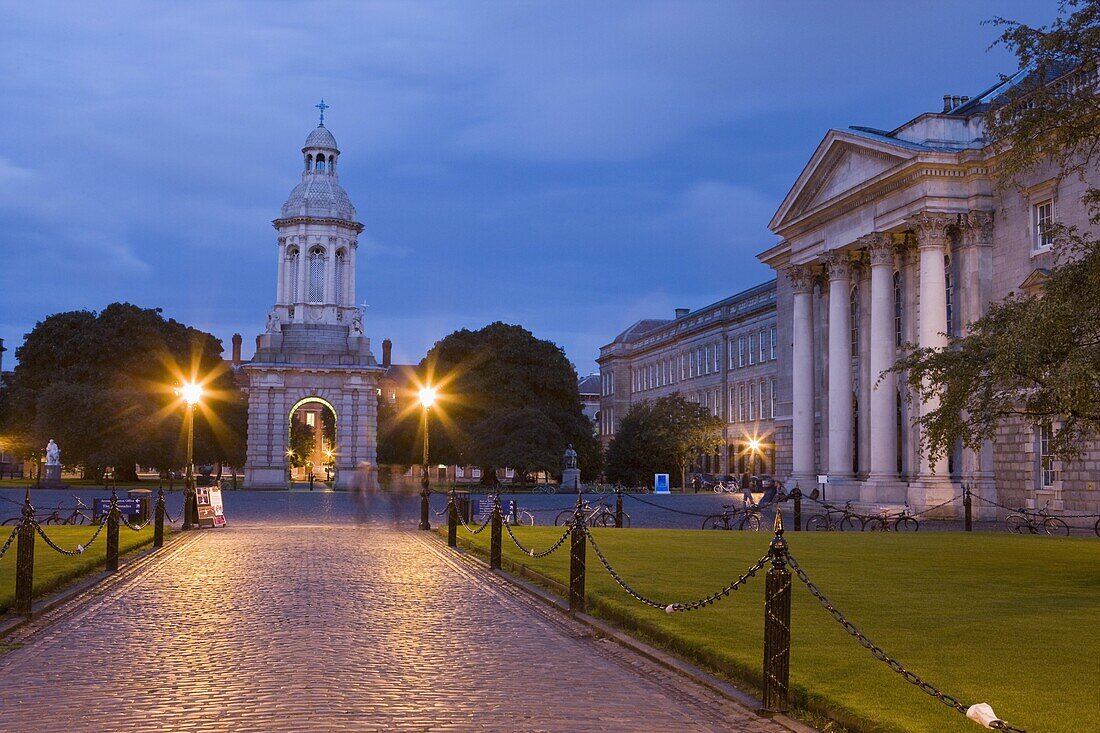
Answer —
320 164
292 273
332 163
309 161
316 290
311 441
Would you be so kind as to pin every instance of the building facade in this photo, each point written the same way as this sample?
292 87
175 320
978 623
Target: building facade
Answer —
723 356
314 352
900 236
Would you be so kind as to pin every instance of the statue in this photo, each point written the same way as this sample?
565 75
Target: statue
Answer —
570 457
357 324
53 454
570 475
273 322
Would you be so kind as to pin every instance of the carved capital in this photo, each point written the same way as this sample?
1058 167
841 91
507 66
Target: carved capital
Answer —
977 228
838 265
801 277
879 248
932 228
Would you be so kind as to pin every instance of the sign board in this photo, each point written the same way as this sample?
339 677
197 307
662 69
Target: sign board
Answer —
484 507
126 507
822 478
211 509
660 483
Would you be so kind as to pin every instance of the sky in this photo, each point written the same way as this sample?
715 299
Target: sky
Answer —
567 166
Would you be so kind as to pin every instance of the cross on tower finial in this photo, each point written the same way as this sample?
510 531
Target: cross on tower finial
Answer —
322 106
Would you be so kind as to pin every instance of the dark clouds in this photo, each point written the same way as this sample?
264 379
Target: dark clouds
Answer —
569 167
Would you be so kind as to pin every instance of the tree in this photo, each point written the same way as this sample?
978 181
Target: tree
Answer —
302 440
525 439
654 437
101 385
1032 356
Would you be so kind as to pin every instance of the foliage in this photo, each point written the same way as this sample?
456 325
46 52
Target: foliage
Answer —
302 441
525 439
1035 357
101 386
655 437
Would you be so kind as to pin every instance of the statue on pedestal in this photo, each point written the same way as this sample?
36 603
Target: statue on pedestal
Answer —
570 475
357 324
53 464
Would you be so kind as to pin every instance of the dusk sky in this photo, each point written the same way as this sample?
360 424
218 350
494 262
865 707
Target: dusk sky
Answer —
570 167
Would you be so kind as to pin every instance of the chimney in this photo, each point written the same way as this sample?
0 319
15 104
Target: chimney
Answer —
947 103
258 343
236 349
681 312
387 348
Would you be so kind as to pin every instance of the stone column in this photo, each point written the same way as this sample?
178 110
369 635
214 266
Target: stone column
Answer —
883 407
280 295
303 276
802 376
330 271
350 289
839 268
932 230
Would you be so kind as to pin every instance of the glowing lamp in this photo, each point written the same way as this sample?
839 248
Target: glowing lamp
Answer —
427 396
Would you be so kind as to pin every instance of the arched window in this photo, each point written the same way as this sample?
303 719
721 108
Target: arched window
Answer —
341 273
332 163
309 162
898 309
950 293
316 291
853 308
292 273
320 163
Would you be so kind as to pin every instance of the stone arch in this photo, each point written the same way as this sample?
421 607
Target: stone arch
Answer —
323 458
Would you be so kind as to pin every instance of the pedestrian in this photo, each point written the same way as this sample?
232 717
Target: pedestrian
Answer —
362 492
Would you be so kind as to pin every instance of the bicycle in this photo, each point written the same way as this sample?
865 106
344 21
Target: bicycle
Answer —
727 487
828 520
545 489
1032 523
55 517
749 513
599 515
903 521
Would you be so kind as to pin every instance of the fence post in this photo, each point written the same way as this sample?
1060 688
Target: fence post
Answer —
777 624
158 521
112 534
619 507
967 509
24 560
452 521
576 559
797 496
494 535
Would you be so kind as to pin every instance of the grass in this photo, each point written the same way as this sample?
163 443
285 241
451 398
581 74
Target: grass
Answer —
1008 620
52 569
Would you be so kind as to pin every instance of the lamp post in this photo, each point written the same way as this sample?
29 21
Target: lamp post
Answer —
427 397
191 394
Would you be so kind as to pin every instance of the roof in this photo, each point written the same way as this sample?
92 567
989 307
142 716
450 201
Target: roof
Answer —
321 138
589 384
319 195
641 328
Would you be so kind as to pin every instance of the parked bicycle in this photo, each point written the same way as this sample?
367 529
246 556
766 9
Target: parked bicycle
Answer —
76 516
834 518
1032 522
902 521
598 514
746 516
727 485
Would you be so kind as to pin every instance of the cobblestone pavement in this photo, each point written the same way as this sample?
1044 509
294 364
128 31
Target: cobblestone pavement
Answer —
332 628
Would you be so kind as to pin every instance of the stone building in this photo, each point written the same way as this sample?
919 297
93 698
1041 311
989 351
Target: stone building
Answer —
902 236
723 356
314 351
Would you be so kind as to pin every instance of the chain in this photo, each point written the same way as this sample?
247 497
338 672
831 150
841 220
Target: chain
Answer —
674 607
470 529
664 508
79 548
11 538
135 527
878 653
933 508
544 553
1033 512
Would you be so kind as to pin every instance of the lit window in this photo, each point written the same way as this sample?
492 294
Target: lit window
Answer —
311 419
1044 217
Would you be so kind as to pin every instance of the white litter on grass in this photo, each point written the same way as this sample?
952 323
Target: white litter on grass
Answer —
982 714
80 549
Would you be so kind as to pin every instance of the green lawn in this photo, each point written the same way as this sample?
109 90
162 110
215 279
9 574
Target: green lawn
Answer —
52 569
1012 621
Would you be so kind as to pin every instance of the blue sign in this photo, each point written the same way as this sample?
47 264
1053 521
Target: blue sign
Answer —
660 483
484 507
125 506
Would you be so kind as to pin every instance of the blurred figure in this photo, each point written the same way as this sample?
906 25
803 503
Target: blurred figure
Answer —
398 493
363 492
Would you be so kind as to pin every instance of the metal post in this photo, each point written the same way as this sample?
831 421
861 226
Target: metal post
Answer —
158 520
797 496
24 560
424 492
189 486
494 535
576 560
452 521
112 534
619 507
777 624
967 509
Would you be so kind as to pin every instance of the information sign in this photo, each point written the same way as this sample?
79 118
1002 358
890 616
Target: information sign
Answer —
660 483
211 509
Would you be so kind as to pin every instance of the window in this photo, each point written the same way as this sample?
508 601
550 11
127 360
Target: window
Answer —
740 351
774 339
732 413
320 163
752 401
293 269
311 419
771 392
752 349
717 358
316 290
1044 217
898 337
741 403
950 293
731 349
853 314
706 360
1047 474
763 400
763 345
341 273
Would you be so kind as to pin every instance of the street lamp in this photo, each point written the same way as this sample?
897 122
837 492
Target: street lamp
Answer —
427 397
191 394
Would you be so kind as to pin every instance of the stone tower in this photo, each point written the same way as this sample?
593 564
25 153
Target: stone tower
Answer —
313 349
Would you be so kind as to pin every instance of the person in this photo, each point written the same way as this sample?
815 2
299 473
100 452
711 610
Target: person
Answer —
362 492
746 488
772 488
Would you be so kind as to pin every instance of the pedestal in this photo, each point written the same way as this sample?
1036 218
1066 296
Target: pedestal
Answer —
571 479
51 476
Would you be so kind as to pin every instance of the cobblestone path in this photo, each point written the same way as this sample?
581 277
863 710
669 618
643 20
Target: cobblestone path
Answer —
331 629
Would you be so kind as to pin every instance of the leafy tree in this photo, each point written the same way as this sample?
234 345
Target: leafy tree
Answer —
525 439
101 386
302 441
1033 356
655 437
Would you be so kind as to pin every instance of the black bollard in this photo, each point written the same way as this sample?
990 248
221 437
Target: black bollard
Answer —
112 534
619 507
967 509
24 560
777 624
452 521
494 535
158 521
797 496
576 560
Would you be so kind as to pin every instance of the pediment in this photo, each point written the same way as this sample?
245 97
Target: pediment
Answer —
1035 282
842 162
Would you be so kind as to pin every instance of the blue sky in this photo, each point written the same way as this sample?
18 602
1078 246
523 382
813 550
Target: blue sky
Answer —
571 167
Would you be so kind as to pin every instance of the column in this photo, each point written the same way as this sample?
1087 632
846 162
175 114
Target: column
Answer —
974 293
330 271
281 284
883 405
932 242
839 268
350 289
303 275
802 375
